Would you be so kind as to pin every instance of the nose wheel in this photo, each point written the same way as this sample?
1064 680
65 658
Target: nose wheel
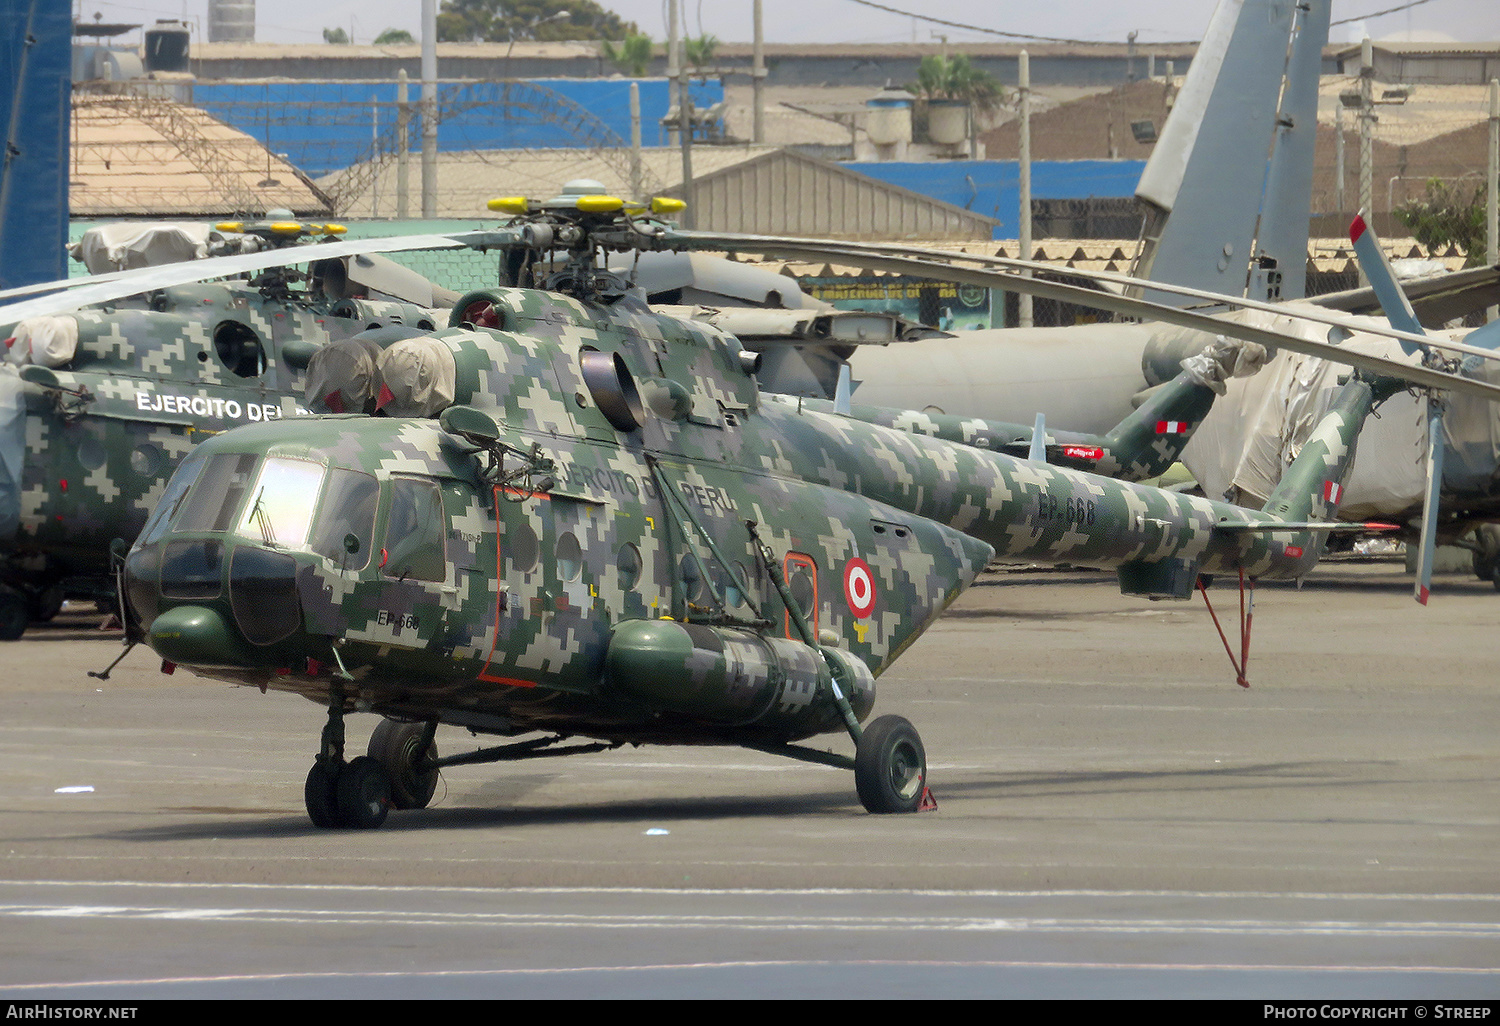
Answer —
354 795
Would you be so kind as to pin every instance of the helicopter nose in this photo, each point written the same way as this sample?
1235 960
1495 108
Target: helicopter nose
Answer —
178 591
196 636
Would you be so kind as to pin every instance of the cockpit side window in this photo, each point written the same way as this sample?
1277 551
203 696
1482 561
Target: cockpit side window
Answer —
171 499
414 532
346 511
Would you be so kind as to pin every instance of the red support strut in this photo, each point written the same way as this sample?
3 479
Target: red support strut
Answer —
1247 617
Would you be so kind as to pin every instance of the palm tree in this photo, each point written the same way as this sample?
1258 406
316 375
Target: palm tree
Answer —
700 51
633 56
956 78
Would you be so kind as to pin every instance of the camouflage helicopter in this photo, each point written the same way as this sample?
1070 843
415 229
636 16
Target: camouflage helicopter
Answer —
98 405
573 516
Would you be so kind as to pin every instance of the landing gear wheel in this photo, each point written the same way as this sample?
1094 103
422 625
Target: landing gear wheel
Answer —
397 747
321 794
1487 551
14 614
47 603
890 766
363 794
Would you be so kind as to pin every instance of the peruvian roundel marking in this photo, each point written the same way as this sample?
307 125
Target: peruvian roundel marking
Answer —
859 588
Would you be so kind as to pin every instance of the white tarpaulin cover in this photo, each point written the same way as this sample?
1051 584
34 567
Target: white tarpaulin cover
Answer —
123 247
1254 432
418 378
49 341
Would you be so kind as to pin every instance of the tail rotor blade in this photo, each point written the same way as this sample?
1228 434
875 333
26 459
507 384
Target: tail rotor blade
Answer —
1377 268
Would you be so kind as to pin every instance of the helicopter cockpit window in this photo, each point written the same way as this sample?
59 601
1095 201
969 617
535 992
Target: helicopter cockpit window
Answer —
216 499
414 532
345 527
282 502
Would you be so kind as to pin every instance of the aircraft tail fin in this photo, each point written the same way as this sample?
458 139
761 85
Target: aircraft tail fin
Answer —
1204 182
1312 488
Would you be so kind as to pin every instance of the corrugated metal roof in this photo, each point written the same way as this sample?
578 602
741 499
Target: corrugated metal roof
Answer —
736 188
789 193
243 51
1419 47
139 156
468 180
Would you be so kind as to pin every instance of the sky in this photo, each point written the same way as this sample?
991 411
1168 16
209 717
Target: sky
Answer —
848 21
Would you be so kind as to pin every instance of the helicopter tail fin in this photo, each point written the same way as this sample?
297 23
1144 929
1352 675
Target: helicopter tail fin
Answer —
1312 488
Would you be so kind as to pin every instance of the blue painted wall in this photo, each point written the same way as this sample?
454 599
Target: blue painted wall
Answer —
993 187
35 75
325 126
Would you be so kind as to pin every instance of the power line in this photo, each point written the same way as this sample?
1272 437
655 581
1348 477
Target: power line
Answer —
990 31
1376 14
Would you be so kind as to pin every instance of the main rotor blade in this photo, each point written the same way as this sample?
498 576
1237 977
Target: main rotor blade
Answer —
1435 449
1147 310
823 250
119 285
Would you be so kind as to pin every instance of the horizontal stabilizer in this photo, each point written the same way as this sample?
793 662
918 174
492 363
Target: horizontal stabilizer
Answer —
1277 527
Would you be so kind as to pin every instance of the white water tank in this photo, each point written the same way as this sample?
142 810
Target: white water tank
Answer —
947 121
888 117
231 21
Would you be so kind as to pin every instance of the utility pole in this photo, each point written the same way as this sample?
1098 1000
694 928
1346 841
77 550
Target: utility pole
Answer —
403 145
1023 91
684 117
1366 132
429 109
635 141
1339 174
1492 201
758 80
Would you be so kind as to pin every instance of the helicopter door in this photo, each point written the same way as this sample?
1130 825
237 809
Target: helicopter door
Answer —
415 590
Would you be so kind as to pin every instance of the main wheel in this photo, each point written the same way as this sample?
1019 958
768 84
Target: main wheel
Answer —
321 794
14 614
45 604
363 794
394 745
890 766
